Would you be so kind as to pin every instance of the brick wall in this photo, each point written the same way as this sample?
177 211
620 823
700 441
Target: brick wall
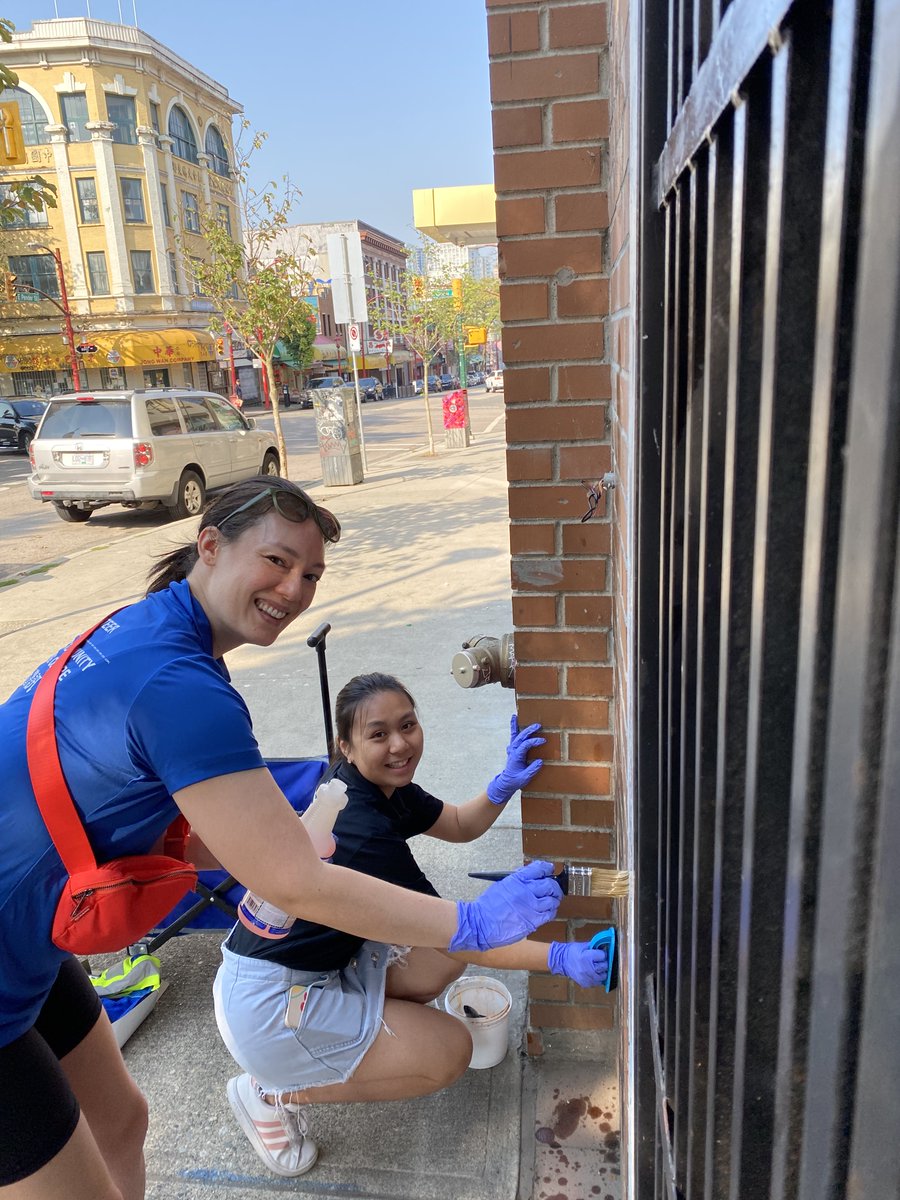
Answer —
556 193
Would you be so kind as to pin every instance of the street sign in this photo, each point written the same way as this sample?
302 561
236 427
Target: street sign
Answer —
353 333
348 279
441 293
476 335
85 348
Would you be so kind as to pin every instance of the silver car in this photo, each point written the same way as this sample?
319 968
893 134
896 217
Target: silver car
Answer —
143 447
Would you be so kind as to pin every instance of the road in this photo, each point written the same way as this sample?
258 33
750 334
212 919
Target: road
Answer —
31 534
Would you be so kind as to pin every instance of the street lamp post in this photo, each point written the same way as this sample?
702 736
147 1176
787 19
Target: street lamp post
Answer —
63 308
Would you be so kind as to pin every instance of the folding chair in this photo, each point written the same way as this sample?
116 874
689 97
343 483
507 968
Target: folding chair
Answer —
213 903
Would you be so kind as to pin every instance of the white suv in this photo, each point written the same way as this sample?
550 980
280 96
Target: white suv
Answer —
143 447
494 381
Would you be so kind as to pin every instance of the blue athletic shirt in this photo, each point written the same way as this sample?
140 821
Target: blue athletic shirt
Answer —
142 710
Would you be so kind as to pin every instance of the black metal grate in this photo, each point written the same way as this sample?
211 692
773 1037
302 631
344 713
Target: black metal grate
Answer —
768 715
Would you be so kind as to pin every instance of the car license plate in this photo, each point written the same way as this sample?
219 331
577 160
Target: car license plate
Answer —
85 460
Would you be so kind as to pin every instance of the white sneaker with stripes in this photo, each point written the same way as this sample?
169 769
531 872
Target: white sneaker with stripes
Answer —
276 1132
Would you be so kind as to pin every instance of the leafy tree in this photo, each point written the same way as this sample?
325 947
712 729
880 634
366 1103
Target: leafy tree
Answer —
18 197
257 285
299 343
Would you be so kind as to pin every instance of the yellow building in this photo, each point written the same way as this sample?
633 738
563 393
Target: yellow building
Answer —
138 143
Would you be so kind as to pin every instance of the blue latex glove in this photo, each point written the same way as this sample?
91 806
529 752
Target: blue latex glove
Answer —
517 772
577 960
508 910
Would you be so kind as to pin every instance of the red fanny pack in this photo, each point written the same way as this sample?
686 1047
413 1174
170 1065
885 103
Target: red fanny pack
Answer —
103 907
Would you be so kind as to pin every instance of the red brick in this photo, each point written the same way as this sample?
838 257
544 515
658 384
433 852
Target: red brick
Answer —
531 170
532 539
540 78
553 342
529 464
566 844
525 385
583 298
534 1043
589 908
554 423
524 302
578 25
518 126
541 810
548 987
589 681
520 216
579 121
587 537
595 814
568 1016
588 610
584 383
591 747
586 462
556 646
533 610
537 681
513 33
554 574
542 502
571 780
582 210
564 714
549 256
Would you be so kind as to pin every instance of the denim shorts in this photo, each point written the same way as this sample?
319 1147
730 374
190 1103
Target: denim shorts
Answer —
325 1043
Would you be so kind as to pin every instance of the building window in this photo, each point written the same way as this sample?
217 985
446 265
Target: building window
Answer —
120 110
183 135
224 215
191 212
173 271
34 119
73 106
21 220
154 116
198 289
215 148
86 188
132 200
142 272
38 270
97 273
164 193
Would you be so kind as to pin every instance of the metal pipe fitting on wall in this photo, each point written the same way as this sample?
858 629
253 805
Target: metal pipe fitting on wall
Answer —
485 660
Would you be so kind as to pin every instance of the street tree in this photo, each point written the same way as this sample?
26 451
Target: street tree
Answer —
19 197
258 285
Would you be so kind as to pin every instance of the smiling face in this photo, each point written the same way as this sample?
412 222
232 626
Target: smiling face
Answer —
387 741
251 588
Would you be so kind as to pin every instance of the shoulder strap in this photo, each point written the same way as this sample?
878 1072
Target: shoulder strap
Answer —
50 788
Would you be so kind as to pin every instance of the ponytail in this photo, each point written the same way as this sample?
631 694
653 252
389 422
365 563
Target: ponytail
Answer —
172 567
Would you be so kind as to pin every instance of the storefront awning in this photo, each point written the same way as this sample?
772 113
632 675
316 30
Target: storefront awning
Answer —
47 352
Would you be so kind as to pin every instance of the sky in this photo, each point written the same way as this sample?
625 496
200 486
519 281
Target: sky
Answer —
362 102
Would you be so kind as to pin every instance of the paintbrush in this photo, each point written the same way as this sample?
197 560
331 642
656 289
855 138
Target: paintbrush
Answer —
579 881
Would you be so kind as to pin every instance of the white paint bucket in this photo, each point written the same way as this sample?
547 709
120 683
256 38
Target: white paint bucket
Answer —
490 1029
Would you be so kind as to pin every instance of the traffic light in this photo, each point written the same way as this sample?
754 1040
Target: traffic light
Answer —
457 294
12 143
418 287
220 346
9 283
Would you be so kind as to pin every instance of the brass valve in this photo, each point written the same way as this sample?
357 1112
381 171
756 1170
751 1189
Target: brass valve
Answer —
485 660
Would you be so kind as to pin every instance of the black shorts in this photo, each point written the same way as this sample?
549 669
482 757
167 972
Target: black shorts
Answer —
38 1109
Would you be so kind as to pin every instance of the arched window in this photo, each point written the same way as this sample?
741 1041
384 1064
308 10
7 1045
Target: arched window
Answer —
34 119
183 135
215 148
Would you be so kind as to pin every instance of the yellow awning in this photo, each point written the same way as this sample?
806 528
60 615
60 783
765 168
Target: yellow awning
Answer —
47 352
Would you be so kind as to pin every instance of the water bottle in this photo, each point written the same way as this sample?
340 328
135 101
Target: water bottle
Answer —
263 918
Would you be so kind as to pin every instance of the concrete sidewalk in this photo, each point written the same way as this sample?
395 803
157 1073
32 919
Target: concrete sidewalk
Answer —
423 564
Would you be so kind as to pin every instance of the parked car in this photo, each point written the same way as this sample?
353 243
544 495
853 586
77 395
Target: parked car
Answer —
448 382
308 395
19 418
494 381
434 385
370 388
475 379
149 446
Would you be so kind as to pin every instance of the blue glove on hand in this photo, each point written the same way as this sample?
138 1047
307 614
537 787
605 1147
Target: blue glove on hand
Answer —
517 772
509 910
577 960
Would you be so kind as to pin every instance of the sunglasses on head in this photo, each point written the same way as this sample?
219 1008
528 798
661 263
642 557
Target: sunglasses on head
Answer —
293 508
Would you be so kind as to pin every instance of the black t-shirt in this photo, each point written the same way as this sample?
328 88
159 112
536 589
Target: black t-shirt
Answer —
371 834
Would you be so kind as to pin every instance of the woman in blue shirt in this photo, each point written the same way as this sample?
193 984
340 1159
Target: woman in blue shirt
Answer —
148 726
